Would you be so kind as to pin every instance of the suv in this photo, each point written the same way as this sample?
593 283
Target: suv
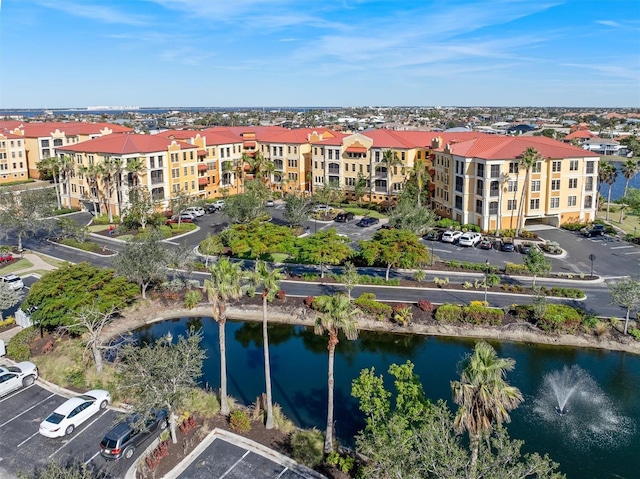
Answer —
367 221
129 433
594 230
344 217
13 281
195 210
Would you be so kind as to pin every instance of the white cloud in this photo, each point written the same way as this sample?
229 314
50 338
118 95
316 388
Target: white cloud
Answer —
100 13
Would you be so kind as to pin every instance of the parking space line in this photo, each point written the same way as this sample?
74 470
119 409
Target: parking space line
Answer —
621 247
92 457
27 439
15 393
26 410
234 465
77 435
283 471
633 252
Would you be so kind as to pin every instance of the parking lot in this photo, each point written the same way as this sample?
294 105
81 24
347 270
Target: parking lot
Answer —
22 448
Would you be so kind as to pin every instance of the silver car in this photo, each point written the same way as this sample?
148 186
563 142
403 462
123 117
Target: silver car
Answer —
15 377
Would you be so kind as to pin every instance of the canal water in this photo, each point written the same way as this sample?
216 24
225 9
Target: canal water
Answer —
599 437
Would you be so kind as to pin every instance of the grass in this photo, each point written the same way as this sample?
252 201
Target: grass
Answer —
17 266
364 212
97 228
628 223
279 257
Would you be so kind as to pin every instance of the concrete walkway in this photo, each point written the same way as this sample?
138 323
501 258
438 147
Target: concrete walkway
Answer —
38 264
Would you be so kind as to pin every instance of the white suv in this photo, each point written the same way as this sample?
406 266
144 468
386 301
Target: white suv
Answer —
14 282
451 236
469 239
196 210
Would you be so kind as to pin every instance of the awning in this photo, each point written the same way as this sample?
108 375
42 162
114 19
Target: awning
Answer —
202 167
203 180
249 144
356 149
202 152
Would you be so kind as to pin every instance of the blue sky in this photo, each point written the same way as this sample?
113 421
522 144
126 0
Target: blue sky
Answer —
75 53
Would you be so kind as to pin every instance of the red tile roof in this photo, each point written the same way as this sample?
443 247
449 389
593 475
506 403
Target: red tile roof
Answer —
585 134
70 128
124 144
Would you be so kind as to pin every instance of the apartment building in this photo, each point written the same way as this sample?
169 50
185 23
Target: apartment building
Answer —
104 169
13 158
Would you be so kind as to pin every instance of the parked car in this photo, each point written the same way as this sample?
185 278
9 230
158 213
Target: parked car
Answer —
73 412
367 221
218 204
451 236
174 220
344 217
594 230
270 203
13 281
526 247
552 247
123 438
196 210
187 215
433 235
15 377
386 226
324 209
507 245
469 239
485 243
6 257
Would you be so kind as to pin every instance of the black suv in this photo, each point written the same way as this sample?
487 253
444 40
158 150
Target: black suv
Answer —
344 217
367 221
129 433
594 230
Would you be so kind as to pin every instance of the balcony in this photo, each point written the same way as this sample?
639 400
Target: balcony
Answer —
202 167
334 171
203 181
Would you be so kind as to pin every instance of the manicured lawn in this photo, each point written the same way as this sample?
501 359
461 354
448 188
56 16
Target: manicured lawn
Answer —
628 222
279 257
97 228
364 212
17 266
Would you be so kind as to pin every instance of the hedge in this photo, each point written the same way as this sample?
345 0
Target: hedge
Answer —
476 314
367 303
83 245
18 347
560 318
514 268
449 313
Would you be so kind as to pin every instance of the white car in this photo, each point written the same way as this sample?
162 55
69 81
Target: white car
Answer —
322 209
196 210
451 236
13 281
270 203
469 239
73 412
15 377
219 204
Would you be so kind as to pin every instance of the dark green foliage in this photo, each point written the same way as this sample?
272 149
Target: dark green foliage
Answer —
60 294
394 249
482 267
635 332
83 245
470 227
377 280
449 313
560 318
307 447
573 226
18 346
447 223
368 304
239 421
255 239
476 314
558 292
54 470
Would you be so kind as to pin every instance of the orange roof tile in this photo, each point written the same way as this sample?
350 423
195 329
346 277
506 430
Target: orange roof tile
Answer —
124 144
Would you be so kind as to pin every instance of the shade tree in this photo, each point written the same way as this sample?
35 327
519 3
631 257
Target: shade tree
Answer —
394 248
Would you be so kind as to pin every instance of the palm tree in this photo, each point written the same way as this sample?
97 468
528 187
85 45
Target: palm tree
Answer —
66 167
51 165
483 395
389 160
629 169
223 287
106 169
337 315
118 169
503 179
270 281
419 170
603 171
609 175
91 172
528 160
135 166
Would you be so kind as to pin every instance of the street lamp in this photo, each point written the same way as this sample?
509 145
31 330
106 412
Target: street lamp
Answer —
486 280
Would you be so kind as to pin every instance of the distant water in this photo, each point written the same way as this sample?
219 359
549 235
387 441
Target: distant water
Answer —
617 189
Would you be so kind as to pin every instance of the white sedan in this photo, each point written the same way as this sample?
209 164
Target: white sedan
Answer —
15 377
73 412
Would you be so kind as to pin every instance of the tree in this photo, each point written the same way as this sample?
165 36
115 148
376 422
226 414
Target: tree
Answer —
349 277
106 169
90 322
141 206
62 293
609 174
408 215
327 193
51 167
360 188
537 264
390 160
247 206
633 143
179 200
503 179
162 375
324 247
632 199
629 169
55 470
9 297
528 160
484 396
224 286
66 168
118 170
269 280
24 211
296 208
626 294
337 315
143 260
136 168
394 248
92 173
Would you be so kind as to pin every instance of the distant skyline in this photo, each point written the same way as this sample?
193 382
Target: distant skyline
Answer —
242 53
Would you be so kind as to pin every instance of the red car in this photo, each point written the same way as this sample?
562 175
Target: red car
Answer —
173 220
6 257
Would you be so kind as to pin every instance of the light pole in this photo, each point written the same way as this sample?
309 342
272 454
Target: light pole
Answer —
486 281
432 253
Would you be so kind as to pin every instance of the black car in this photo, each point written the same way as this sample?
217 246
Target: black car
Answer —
594 230
367 221
525 248
124 437
433 235
344 217
507 245
210 208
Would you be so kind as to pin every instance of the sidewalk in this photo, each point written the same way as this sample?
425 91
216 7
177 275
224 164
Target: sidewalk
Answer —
38 264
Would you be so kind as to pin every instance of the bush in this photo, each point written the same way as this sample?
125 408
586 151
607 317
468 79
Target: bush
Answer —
521 311
308 301
514 268
478 314
449 313
447 223
573 226
470 227
239 421
482 267
367 303
308 447
18 347
310 276
345 464
635 332
426 305
281 294
402 314
557 292
7 322
83 245
528 234
191 298
560 318
507 233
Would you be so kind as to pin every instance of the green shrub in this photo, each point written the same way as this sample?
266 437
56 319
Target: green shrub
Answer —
482 267
104 220
470 227
528 234
573 226
63 211
521 311
7 322
514 268
447 223
402 314
635 332
308 447
507 233
191 298
560 318
310 276
477 314
590 321
573 293
367 303
83 245
345 464
18 347
449 313
239 421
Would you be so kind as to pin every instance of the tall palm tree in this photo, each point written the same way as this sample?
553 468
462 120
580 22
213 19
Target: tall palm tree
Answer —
106 169
51 166
483 395
389 160
337 315
66 167
224 286
419 169
269 279
528 159
136 167
503 179
629 169
92 173
603 171
609 175
118 169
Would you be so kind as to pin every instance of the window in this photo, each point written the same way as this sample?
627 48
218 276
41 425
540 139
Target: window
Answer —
573 183
573 165
480 187
459 182
512 186
44 143
556 166
280 149
590 167
588 201
193 170
184 169
572 200
175 172
160 162
493 208
513 167
152 162
458 202
537 167
331 154
555 185
479 207
377 156
57 142
554 203
294 163
534 204
494 189
535 185
293 176
512 205
588 183
480 170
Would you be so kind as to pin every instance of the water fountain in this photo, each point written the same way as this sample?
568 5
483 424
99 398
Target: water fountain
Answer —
587 415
